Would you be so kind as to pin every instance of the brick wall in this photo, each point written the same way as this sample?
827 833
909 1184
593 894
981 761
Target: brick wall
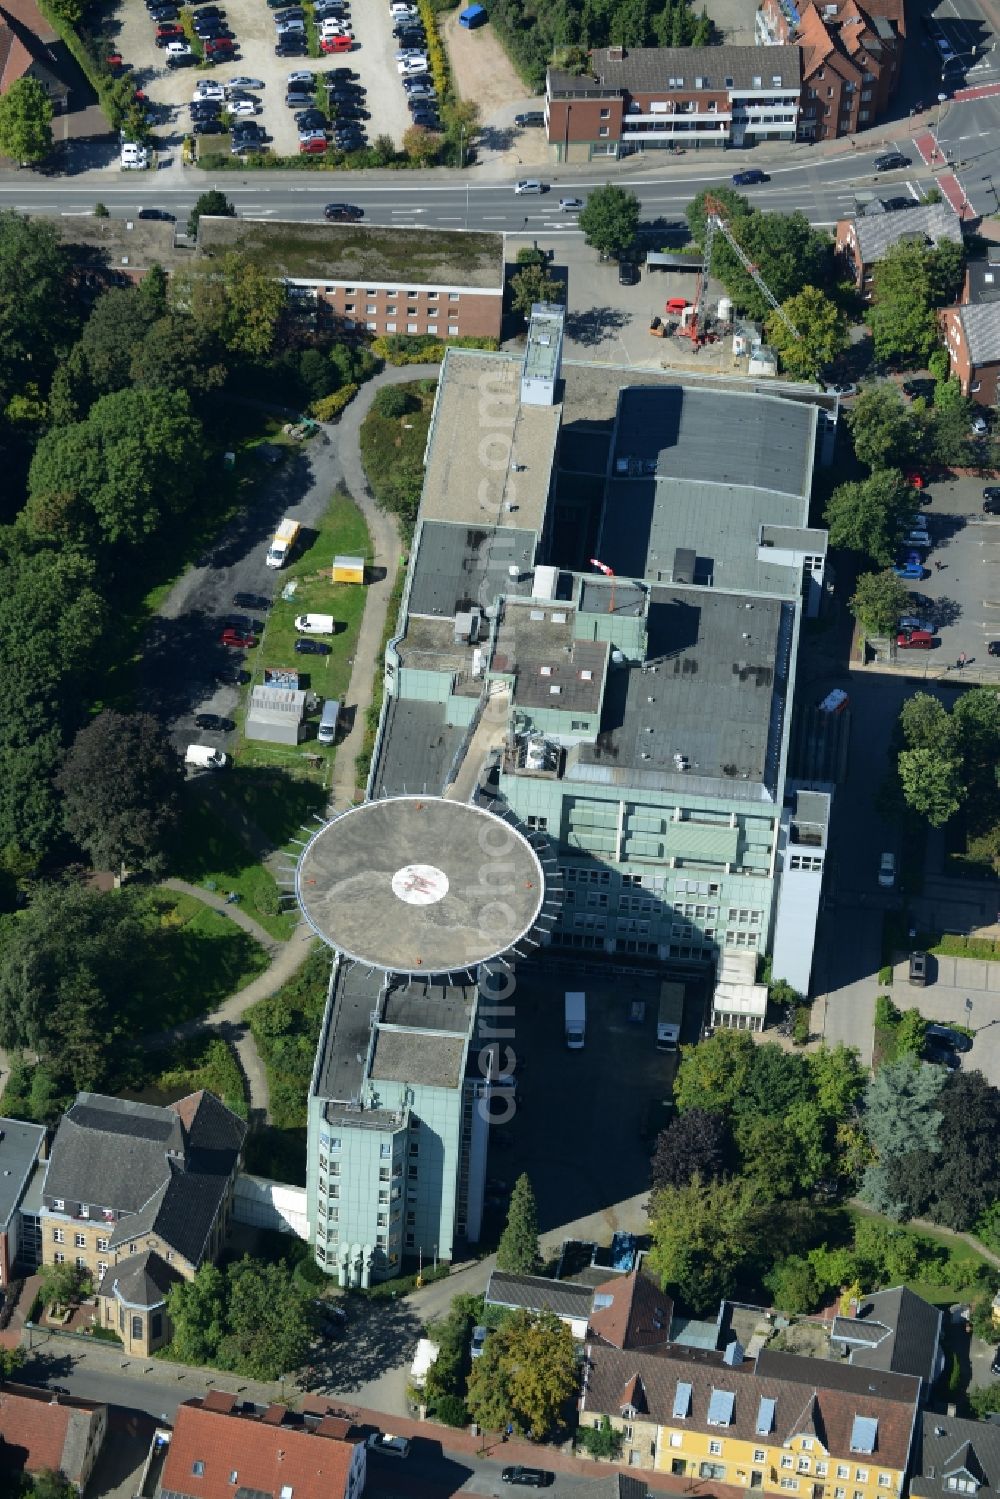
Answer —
402 309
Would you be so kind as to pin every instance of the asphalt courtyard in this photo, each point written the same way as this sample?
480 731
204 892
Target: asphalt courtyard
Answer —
962 591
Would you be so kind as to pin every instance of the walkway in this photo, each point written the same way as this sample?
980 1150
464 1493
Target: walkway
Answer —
386 556
927 1226
948 182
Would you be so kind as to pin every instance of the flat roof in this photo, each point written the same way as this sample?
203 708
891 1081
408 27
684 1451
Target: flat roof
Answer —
412 1057
19 1146
360 252
715 697
130 246
430 1007
545 333
413 884
418 746
489 458
342 1066
458 567
535 643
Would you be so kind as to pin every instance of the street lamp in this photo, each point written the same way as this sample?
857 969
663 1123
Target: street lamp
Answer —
942 101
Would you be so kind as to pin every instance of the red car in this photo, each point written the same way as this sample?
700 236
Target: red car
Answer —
232 636
336 44
169 33
914 640
220 46
916 480
313 147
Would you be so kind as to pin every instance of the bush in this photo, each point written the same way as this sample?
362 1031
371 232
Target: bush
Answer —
329 407
422 348
435 51
603 1440
394 401
450 1410
307 1275
800 1025
886 1014
885 977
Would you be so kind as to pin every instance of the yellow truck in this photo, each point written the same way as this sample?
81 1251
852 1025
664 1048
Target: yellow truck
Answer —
284 539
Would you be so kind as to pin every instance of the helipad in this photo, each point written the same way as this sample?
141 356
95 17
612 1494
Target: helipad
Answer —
417 884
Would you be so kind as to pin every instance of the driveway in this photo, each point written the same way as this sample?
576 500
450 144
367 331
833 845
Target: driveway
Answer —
965 991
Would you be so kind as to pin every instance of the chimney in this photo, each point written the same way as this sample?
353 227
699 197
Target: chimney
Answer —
951 1409
616 54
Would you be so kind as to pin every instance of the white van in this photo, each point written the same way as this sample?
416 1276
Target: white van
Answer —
327 731
204 757
315 624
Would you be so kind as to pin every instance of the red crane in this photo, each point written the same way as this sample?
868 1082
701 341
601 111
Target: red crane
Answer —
716 223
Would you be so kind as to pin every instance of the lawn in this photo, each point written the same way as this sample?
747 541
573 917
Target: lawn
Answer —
210 853
308 582
959 1264
277 802
195 958
392 450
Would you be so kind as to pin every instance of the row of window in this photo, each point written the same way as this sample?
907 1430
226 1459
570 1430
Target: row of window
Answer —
79 1240
819 1467
81 1264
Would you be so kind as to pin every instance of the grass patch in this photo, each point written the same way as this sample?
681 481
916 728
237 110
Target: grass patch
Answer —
392 450
196 958
363 759
286 1028
896 939
209 853
276 803
953 1270
363 252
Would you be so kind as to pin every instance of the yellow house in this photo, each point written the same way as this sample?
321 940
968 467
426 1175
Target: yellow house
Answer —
811 1427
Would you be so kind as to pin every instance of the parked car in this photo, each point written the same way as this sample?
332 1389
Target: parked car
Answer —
387 1444
890 161
314 146
156 213
479 1336
915 640
208 127
178 50
333 44
207 90
993 648
214 721
909 570
943 1035
530 1478
628 273
887 871
235 637
749 178
291 46
915 479
164 13
991 499
423 117
940 1056
979 426
243 107
914 622
242 82
340 72
532 117
185 59
219 48
918 968
922 388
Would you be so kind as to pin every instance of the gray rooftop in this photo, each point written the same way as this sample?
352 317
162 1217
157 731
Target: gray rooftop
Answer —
715 697
983 277
19 1147
651 69
595 597
895 1330
535 642
404 883
430 1007
342 1065
418 746
458 566
277 705
142 1279
949 1447
129 245
535 1293
414 1057
929 224
489 458
981 326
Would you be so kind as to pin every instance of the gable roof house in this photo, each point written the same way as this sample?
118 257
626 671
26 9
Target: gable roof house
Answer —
220 1451
895 1330
956 1457
140 1197
972 338
41 1430
862 241
26 50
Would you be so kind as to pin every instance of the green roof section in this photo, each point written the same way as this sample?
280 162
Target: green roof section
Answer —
688 840
362 253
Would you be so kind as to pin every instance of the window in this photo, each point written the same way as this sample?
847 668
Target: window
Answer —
136 1329
410 1240
371 307
452 328
58 1236
802 1465
372 327
604 130
198 1469
59 1257
80 1241
234 1476
383 1172
432 327
102 1270
432 296
676 1439
789 1483
807 1442
81 1263
715 1449
453 296
712 1470
383 1220
605 114
411 327
156 1325
58 1204
843 1471
885 1479
759 1455
627 1432
821 1469
84 1210
861 1475
787 1462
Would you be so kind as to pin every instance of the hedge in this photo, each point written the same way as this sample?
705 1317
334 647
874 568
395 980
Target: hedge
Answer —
424 348
328 407
435 51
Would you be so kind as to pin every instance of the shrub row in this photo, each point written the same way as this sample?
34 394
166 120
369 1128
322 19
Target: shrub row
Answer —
328 407
424 348
435 51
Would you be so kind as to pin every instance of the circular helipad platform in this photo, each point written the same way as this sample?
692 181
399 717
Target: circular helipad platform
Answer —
417 884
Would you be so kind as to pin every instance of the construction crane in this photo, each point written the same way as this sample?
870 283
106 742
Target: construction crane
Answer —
715 223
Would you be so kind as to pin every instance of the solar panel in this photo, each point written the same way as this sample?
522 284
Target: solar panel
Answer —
863 1433
720 1407
765 1415
682 1400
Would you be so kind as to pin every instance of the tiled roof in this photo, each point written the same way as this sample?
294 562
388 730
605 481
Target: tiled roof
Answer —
214 1454
814 1396
140 1280
981 326
932 223
638 1314
948 1445
904 1333
41 1430
535 1293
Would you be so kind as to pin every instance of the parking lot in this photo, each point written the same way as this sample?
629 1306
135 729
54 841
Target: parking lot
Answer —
959 991
961 595
378 93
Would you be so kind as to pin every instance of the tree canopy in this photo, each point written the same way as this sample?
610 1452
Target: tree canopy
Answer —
518 1250
788 253
526 1376
694 1143
886 432
871 515
908 283
252 1317
610 219
25 121
821 329
879 600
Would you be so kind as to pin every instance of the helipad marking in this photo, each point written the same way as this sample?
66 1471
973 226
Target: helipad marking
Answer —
420 884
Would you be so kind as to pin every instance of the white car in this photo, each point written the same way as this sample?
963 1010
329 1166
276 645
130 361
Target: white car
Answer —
979 427
241 82
417 64
178 49
335 28
209 91
571 205
406 52
243 107
300 77
135 158
887 871
528 185
388 1444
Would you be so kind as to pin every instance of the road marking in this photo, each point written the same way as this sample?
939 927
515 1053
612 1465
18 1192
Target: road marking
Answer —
76 213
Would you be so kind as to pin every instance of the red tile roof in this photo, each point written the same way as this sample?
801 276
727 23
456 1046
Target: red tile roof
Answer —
34 1427
638 1314
265 1456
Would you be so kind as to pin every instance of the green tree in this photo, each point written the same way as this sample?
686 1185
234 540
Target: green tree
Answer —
38 311
871 515
901 316
733 206
177 353
121 791
878 602
714 1074
837 1080
695 1142
62 1284
985 1400
47 1484
883 1254
25 122
518 1251
602 1440
214 204
925 723
946 271
526 1375
910 1034
533 284
197 1311
885 430
793 1285
11 1359
787 252
950 424
269 1329
255 300
421 145
610 219
822 330
101 359
931 784
702 1234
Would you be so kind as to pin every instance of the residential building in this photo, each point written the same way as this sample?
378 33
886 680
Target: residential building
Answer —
982 277
41 1431
564 1299
851 59
863 240
444 283
971 334
140 1197
28 50
895 1330
220 1450
647 98
20 1148
956 1456
779 1423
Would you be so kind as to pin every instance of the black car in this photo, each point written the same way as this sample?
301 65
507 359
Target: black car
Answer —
209 110
896 205
208 127
298 101
213 721
943 1035
533 117
993 648
233 676
257 601
991 499
418 81
181 60
311 119
156 213
914 388
164 13
749 178
313 648
891 161
940 1056
427 121
211 10
342 213
529 1478
995 1366
291 46
340 73
628 273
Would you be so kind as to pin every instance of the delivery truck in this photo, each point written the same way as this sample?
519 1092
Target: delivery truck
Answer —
204 757
315 624
285 537
670 1017
576 1019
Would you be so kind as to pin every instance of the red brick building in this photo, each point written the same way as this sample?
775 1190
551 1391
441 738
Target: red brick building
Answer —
862 241
851 59
648 98
972 338
40 1430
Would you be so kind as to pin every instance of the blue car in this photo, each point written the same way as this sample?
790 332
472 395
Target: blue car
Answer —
909 569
